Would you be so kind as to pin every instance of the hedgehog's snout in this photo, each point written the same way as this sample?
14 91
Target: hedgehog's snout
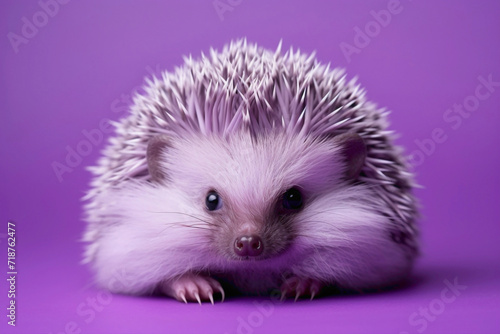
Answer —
248 246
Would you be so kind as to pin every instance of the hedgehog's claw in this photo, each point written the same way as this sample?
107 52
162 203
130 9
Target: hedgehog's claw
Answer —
211 297
283 294
192 288
182 296
301 287
197 296
297 295
313 293
223 295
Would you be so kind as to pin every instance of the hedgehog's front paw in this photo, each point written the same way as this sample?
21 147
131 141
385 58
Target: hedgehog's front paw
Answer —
192 288
300 287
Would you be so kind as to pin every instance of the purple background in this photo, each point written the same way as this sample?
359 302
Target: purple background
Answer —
83 64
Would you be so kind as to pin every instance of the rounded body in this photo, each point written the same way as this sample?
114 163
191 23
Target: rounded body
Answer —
251 167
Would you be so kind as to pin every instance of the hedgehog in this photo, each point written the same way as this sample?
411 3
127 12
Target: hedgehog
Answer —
253 171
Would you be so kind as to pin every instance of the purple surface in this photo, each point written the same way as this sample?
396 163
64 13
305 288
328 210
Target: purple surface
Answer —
81 66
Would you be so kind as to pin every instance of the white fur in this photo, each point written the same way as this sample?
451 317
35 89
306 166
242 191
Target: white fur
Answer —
341 237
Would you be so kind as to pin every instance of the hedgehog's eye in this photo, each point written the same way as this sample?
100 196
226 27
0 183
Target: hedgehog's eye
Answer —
213 201
292 199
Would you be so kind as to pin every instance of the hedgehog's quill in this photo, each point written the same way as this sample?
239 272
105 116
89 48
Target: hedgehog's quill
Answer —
253 169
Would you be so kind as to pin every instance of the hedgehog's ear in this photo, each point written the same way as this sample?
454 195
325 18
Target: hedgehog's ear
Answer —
353 149
156 146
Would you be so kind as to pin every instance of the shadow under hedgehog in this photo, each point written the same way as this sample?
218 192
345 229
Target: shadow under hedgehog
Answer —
262 170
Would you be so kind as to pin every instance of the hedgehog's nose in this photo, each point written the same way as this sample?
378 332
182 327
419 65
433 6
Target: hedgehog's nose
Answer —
248 246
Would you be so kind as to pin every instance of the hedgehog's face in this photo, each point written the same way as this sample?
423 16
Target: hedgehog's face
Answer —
250 194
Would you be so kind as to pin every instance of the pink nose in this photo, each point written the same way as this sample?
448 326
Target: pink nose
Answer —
248 246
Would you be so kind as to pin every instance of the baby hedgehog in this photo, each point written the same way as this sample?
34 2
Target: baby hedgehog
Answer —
252 171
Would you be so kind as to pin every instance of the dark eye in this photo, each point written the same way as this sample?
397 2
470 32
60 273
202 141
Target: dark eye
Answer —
292 199
213 201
